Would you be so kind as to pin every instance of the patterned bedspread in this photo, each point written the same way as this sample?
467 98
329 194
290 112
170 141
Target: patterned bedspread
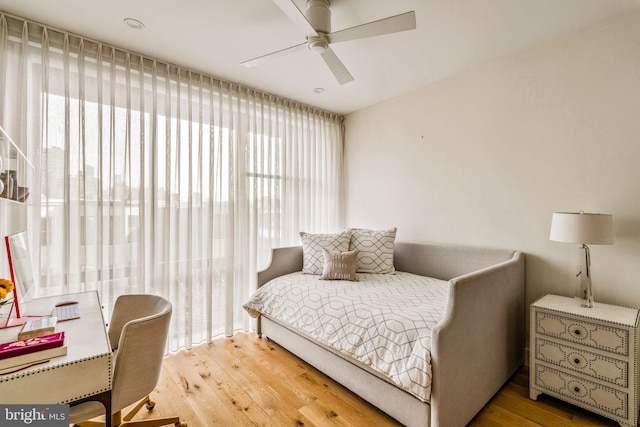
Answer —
383 321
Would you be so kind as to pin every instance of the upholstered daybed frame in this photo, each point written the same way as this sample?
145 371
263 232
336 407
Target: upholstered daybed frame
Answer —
476 347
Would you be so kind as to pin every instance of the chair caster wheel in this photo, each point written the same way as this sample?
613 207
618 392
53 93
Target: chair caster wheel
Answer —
180 424
150 405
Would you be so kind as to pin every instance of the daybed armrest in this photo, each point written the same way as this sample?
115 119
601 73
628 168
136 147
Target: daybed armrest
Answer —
283 261
486 310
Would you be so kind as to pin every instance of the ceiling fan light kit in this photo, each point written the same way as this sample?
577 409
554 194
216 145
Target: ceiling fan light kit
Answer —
317 44
316 24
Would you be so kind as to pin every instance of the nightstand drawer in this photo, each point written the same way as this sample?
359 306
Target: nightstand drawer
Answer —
581 331
600 367
590 395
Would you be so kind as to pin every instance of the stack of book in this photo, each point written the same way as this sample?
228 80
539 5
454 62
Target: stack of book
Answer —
23 353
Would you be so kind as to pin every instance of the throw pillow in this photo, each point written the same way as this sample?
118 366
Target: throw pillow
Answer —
375 249
339 265
312 244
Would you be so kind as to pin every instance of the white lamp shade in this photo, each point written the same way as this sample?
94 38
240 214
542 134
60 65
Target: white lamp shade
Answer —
578 227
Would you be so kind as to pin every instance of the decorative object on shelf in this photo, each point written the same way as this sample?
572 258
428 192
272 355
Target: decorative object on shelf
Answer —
6 287
5 177
14 179
16 171
20 194
583 228
10 189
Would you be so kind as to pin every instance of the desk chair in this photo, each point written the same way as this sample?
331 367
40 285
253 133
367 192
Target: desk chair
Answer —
139 327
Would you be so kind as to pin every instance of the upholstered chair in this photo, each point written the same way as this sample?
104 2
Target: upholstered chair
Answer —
138 331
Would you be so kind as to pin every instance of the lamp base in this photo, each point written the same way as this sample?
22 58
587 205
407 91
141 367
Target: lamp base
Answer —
588 297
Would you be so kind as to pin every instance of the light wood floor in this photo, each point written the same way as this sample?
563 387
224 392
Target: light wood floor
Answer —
248 381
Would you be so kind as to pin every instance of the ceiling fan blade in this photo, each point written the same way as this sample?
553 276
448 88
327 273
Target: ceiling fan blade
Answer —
297 16
393 24
277 54
336 66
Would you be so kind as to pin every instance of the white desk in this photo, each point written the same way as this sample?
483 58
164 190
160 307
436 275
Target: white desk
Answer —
84 374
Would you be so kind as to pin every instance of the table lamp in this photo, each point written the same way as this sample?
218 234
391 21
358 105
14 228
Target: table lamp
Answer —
583 228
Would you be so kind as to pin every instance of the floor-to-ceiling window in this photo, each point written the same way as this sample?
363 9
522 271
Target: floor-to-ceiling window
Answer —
153 178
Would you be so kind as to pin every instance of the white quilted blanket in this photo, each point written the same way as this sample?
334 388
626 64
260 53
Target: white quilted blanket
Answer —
383 321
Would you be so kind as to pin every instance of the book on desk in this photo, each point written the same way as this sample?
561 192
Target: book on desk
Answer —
21 353
38 327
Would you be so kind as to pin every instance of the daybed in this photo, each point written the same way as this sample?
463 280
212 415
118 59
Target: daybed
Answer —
476 345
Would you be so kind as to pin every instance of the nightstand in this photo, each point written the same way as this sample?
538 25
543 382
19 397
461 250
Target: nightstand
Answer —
586 356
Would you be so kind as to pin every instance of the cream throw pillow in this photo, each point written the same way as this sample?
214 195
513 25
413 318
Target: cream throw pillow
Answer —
339 265
375 249
312 244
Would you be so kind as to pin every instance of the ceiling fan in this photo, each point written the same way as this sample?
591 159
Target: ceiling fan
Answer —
315 22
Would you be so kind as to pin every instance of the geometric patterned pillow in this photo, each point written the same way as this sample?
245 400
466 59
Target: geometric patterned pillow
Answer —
339 265
312 244
375 249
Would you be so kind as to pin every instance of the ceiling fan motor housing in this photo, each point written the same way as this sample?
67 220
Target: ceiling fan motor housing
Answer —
319 15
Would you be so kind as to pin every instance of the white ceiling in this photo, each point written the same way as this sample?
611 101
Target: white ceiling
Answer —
214 36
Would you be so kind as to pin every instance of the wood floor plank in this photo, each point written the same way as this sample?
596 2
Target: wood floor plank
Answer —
248 381
268 369
244 391
205 387
496 416
322 415
310 383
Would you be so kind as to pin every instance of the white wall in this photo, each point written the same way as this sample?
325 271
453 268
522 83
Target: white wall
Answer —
485 157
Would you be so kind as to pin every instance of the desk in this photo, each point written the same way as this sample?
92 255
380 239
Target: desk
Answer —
84 374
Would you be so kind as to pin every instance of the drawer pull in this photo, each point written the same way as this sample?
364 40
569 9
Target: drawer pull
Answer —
577 388
577 359
579 332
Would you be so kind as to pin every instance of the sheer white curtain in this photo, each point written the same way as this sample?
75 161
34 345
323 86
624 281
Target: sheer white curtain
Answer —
156 179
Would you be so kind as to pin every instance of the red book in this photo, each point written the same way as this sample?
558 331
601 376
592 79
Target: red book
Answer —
31 345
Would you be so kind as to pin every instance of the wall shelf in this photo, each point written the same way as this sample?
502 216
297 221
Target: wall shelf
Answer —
16 171
17 177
